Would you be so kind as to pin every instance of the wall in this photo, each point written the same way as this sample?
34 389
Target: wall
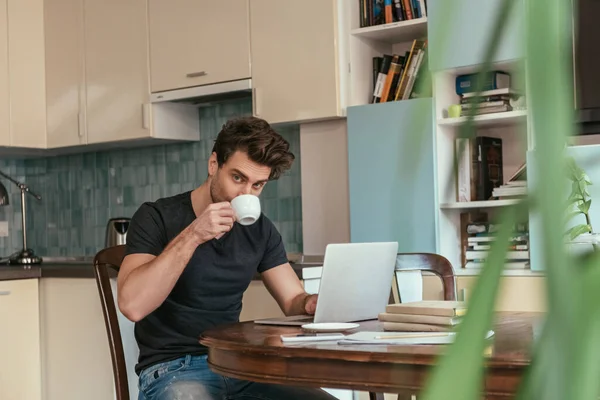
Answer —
325 207
81 192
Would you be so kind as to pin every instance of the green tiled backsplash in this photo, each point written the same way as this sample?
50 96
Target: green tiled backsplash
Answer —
81 192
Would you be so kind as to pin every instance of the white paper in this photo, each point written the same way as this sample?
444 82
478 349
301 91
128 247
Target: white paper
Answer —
410 285
410 338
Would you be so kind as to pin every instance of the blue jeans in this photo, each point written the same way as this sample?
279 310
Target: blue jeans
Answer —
190 378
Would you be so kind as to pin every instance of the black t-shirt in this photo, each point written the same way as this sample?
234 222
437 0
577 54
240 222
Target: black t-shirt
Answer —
209 291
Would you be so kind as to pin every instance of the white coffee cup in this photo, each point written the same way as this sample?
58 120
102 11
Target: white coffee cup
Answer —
247 209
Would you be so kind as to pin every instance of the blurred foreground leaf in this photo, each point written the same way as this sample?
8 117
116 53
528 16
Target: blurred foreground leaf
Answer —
459 372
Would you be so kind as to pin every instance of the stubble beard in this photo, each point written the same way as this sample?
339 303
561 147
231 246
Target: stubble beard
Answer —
215 195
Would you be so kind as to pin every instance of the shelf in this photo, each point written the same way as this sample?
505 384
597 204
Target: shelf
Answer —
396 32
497 119
479 204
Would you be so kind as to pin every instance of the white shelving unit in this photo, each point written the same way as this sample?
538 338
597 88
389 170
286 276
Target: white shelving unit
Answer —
511 127
509 118
396 32
469 205
368 42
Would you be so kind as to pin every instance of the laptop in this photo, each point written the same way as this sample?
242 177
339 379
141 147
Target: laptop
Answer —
355 284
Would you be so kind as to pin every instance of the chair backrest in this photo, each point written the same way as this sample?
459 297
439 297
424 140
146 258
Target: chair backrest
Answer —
430 262
106 264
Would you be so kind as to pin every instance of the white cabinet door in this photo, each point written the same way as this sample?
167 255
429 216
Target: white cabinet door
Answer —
4 96
27 75
20 369
116 64
65 84
198 42
73 333
294 60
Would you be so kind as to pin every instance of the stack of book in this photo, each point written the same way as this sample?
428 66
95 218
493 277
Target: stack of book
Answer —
423 316
510 190
515 187
481 237
496 96
490 101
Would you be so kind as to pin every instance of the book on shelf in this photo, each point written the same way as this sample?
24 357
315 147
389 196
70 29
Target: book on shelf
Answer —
380 12
479 167
516 187
490 101
401 77
478 236
467 83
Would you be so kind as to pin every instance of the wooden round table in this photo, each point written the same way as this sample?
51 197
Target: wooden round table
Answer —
255 352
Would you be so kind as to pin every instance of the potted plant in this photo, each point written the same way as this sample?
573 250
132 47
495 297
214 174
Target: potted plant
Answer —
579 204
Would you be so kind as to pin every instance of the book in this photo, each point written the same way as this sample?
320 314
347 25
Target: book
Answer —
412 327
429 307
419 319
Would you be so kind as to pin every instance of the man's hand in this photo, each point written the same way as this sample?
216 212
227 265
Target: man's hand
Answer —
214 222
310 304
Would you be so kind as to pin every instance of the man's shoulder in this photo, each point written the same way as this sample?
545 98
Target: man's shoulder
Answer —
164 207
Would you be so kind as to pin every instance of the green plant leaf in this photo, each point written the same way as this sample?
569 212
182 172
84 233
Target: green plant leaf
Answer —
578 230
458 374
585 206
572 215
586 348
582 186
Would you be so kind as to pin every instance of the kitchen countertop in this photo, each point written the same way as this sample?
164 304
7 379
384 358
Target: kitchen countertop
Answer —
72 267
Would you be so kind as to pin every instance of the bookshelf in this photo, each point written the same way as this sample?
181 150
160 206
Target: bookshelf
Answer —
511 127
365 43
366 121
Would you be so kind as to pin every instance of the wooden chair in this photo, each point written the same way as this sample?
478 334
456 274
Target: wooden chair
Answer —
106 264
427 262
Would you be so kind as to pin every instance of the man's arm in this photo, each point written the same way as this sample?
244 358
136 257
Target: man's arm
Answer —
285 287
145 280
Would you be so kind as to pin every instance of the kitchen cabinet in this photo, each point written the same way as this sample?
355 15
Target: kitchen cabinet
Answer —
460 39
116 63
73 334
392 197
198 42
69 78
258 303
65 83
26 73
20 369
295 59
4 96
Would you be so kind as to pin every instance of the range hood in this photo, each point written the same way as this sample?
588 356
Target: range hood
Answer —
205 94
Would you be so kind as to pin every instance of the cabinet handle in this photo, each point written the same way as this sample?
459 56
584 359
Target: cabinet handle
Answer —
4 292
196 74
79 126
146 116
255 102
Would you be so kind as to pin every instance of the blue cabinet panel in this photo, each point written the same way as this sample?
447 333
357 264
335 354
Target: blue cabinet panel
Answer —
587 158
390 197
459 31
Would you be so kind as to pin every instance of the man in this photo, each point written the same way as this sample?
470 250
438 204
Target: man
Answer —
188 264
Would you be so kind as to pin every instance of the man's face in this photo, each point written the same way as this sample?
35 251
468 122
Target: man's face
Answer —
239 175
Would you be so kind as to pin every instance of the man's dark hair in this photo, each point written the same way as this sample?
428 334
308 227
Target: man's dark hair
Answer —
255 137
